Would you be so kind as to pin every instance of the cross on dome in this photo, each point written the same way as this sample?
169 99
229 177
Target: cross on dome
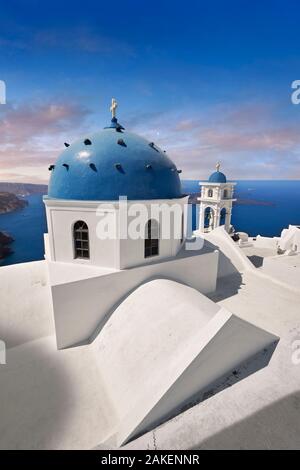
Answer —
119 162
113 107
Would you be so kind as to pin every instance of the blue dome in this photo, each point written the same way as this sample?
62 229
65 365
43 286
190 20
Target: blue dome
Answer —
113 163
217 177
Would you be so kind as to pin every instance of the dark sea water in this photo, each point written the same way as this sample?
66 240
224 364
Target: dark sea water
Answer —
28 225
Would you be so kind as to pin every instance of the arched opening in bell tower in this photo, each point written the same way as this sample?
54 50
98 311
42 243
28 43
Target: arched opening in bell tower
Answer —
208 219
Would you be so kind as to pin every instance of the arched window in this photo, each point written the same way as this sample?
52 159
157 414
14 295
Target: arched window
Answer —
223 216
225 193
210 193
81 240
151 238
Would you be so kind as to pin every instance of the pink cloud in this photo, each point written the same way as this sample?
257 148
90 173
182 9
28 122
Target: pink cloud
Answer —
186 125
32 135
230 140
24 123
250 140
247 140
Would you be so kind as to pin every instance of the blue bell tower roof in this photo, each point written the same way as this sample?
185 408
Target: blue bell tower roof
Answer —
113 163
217 176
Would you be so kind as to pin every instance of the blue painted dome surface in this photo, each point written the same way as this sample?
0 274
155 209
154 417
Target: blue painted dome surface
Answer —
217 177
106 169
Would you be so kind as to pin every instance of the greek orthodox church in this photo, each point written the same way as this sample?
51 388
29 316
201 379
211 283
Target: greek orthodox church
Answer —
153 323
142 298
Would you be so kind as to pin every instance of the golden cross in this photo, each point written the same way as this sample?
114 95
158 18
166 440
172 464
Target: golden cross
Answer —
113 107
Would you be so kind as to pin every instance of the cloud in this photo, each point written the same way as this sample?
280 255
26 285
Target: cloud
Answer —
32 136
186 125
26 122
74 39
251 140
260 140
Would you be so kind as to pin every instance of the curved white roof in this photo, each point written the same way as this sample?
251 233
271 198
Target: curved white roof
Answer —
164 344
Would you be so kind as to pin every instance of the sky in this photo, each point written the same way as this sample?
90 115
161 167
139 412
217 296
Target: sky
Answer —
206 81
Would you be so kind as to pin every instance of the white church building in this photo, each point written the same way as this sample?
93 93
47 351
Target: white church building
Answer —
104 276
150 322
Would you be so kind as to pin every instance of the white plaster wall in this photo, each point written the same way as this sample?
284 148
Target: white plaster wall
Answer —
218 190
61 218
116 252
231 259
132 251
47 254
283 272
290 238
215 192
25 303
266 242
81 308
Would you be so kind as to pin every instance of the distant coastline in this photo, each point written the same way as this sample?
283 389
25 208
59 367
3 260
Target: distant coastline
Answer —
193 199
253 202
11 199
10 202
23 189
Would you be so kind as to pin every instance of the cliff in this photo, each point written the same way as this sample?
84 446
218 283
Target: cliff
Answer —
10 202
5 240
193 199
23 189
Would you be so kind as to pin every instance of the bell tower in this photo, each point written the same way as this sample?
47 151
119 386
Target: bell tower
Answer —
216 202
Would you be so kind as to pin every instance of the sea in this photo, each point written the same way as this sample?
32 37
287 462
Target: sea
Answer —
266 208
